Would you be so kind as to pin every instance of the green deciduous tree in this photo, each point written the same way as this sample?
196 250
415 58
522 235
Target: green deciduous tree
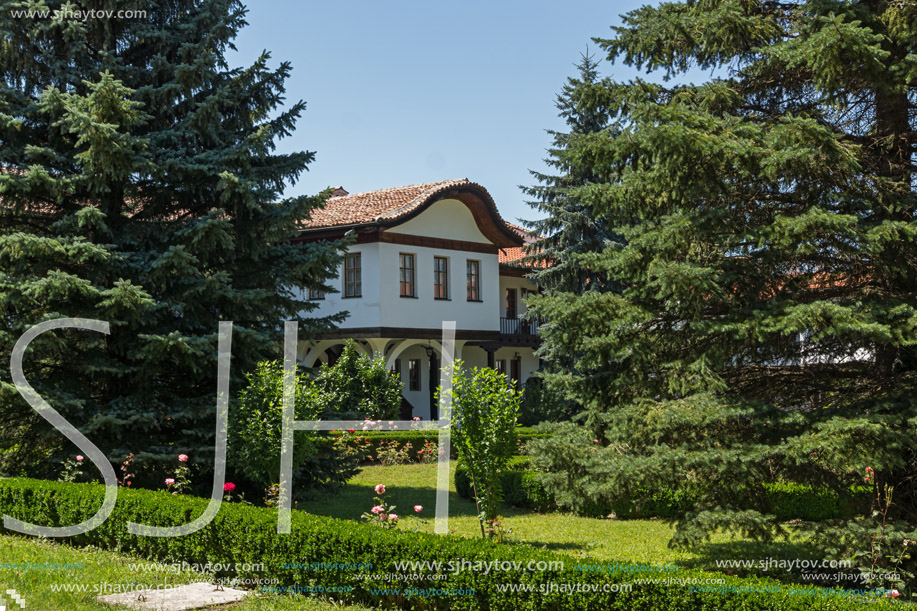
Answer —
139 184
357 386
485 408
767 324
255 435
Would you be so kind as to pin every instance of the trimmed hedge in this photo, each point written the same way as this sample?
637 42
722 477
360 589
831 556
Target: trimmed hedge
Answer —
417 439
521 487
245 534
790 501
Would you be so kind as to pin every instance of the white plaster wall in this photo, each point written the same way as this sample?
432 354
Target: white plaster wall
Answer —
529 360
425 312
448 219
382 305
420 399
365 311
518 284
474 357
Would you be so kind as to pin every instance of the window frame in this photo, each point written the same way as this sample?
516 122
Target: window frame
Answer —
316 294
515 302
473 280
440 274
403 257
414 375
356 271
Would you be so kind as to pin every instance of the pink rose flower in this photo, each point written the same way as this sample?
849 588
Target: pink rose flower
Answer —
377 509
229 487
79 458
170 482
393 517
380 489
182 458
416 418
418 508
383 516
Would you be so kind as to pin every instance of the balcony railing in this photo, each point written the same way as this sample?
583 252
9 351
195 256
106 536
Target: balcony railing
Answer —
518 327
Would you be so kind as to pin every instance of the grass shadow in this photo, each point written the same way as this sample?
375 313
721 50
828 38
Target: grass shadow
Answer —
354 499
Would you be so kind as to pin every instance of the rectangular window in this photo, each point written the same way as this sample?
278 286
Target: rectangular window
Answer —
316 294
440 278
414 374
353 281
511 311
407 275
474 280
396 368
501 365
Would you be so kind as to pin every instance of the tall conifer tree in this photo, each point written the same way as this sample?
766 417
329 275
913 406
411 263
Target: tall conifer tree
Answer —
140 185
767 327
569 228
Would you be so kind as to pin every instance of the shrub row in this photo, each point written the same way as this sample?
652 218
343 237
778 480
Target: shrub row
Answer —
522 488
417 439
245 534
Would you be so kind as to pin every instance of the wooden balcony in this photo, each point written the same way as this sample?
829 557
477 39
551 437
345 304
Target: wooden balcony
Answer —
519 331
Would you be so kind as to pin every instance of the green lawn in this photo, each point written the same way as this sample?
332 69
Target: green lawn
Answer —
102 567
637 541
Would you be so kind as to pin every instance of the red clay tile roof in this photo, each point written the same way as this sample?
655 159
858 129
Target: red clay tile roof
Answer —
387 207
381 204
513 256
510 255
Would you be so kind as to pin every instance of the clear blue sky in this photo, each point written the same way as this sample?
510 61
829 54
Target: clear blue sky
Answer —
405 92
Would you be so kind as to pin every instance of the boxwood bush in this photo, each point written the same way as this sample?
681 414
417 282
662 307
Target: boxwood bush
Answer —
417 439
245 534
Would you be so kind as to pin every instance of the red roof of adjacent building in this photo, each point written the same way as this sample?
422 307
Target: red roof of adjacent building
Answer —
513 256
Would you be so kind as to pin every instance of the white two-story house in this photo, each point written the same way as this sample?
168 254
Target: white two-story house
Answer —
424 254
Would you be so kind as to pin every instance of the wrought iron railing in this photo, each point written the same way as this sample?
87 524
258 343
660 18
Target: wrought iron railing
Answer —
518 326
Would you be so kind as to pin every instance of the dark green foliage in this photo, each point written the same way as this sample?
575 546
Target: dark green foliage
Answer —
569 467
255 437
521 488
140 185
355 387
244 534
765 329
569 229
542 403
